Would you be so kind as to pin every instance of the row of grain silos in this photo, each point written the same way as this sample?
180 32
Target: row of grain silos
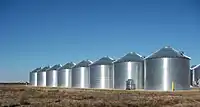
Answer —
162 70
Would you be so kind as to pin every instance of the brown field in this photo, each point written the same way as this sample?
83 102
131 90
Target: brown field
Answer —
12 96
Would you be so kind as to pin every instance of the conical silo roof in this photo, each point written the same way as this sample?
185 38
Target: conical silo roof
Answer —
45 68
130 57
37 69
55 67
195 66
84 63
167 52
104 61
69 65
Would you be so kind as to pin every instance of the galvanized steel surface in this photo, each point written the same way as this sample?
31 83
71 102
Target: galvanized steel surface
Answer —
81 75
167 52
196 74
41 77
131 57
101 76
128 70
161 72
52 76
191 77
33 77
65 75
102 73
64 78
104 61
129 66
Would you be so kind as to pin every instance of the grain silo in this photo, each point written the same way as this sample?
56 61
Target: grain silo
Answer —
65 74
196 75
101 73
192 82
52 76
33 76
191 79
131 66
81 74
41 76
167 68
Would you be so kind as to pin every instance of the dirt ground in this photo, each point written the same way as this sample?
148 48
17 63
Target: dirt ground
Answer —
13 96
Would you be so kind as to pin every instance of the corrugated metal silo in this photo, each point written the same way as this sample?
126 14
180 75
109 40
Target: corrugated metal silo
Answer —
65 74
191 79
129 67
41 76
101 73
191 75
81 74
33 77
167 68
196 75
52 76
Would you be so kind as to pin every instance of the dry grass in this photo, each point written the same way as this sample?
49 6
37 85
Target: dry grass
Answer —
54 97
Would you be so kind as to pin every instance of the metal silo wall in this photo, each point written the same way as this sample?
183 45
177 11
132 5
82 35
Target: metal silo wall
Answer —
80 77
101 76
51 78
33 78
41 78
128 70
64 78
196 74
191 77
161 72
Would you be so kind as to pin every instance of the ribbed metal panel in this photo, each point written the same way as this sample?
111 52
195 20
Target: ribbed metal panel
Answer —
64 75
52 76
191 77
81 74
41 77
33 77
164 70
102 73
129 67
128 70
196 75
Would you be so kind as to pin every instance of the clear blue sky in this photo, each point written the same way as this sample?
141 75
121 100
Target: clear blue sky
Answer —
36 33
